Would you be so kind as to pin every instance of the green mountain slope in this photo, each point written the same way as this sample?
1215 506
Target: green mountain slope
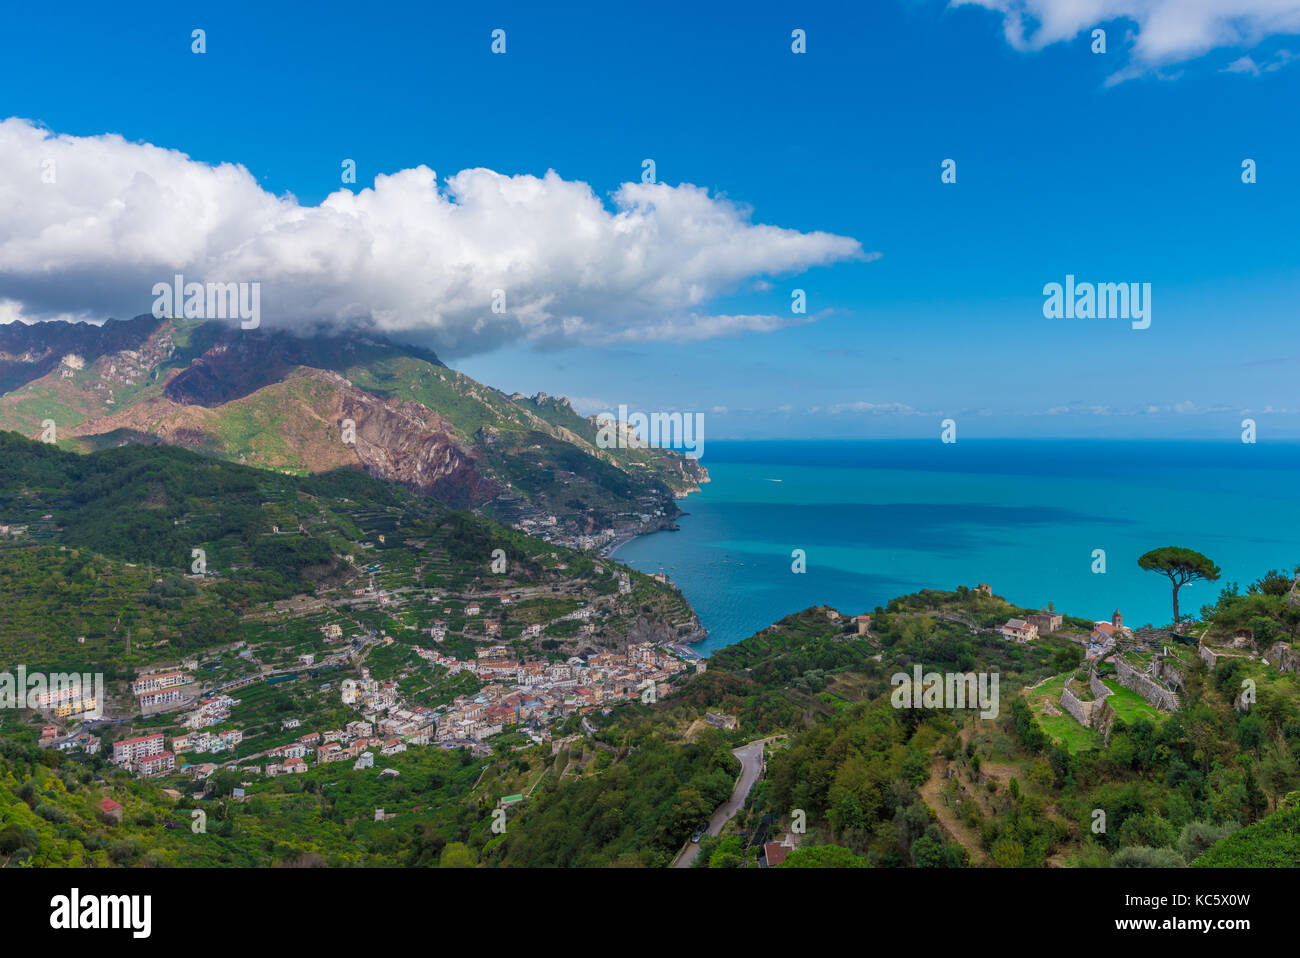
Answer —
282 402
95 546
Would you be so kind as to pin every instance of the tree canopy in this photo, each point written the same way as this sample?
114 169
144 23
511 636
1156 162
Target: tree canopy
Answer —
1180 566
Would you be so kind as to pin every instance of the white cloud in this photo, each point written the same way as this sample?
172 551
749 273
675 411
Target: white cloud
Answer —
1248 65
412 254
1183 408
589 405
1078 409
872 409
1167 31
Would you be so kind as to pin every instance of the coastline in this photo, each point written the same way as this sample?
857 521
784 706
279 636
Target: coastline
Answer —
701 633
667 524
883 519
623 538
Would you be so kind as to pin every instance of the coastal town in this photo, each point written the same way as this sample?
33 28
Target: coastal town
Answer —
531 696
550 529
425 649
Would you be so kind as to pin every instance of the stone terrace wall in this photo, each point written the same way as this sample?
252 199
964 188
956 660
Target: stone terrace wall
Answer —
1169 674
1143 685
1085 713
1103 716
1081 710
1103 719
1208 656
1098 687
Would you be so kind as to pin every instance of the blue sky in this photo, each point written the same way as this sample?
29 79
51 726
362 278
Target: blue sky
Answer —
1058 171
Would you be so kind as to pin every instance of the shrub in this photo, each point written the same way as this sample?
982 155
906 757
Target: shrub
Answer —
52 813
14 837
1197 837
1140 856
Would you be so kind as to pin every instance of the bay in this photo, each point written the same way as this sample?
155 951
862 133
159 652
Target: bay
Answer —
882 518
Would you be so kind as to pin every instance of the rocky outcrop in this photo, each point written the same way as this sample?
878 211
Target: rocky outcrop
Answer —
411 444
1284 657
83 368
694 474
28 352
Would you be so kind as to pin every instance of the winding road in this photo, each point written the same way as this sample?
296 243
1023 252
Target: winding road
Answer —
751 766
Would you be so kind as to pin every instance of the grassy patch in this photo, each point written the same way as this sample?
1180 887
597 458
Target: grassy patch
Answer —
1062 728
1130 706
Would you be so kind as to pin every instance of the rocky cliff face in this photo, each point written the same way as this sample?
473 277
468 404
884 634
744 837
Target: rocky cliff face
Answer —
88 368
694 474
411 444
1284 657
28 352
306 413
228 371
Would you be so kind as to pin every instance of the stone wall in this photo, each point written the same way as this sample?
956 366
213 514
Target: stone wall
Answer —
1047 622
1088 714
1208 656
1168 674
1081 710
1103 716
1145 686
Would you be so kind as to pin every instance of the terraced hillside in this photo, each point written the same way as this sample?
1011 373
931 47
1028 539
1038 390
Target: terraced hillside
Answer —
98 563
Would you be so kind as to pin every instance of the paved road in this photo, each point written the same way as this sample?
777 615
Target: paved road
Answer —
751 766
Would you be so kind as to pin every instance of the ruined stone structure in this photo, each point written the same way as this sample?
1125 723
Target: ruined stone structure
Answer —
1079 709
1145 685
1047 622
1095 714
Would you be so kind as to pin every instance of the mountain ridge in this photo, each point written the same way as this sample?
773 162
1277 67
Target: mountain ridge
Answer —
279 400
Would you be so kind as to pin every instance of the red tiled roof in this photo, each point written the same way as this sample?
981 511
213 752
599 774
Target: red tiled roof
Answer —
108 805
775 853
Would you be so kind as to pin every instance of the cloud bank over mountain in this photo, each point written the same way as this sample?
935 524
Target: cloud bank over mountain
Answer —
88 225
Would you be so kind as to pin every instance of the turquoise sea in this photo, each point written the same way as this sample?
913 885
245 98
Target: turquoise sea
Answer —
878 519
